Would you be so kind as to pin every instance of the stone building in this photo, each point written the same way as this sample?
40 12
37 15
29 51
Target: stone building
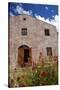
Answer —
28 38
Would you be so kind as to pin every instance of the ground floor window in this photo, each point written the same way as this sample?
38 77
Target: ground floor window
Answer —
49 51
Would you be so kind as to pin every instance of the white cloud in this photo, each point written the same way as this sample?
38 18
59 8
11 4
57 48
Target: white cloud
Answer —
53 22
20 10
46 8
11 14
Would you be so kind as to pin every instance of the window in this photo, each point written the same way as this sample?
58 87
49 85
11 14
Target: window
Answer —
49 51
24 19
47 32
24 31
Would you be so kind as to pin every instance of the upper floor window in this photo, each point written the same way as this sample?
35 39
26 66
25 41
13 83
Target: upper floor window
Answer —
47 33
49 51
24 31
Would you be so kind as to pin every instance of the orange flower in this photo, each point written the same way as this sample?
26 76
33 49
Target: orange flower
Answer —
33 68
22 76
44 74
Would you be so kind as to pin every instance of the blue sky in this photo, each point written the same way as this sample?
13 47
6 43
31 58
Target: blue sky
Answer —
45 12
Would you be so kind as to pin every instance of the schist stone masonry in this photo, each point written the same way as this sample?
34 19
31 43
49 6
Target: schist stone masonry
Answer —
30 37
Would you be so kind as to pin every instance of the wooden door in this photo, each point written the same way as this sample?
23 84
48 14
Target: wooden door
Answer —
21 56
30 56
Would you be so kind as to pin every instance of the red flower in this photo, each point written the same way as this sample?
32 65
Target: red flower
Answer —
22 76
44 74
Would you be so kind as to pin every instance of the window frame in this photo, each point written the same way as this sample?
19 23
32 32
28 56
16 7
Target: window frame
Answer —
47 32
49 51
24 31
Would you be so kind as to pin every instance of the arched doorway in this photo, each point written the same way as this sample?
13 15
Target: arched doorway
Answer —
24 55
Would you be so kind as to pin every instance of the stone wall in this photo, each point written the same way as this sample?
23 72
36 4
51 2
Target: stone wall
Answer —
35 37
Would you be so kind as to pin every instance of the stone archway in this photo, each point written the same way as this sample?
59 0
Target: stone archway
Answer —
24 55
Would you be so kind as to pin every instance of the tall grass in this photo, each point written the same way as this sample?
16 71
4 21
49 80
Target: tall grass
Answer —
43 73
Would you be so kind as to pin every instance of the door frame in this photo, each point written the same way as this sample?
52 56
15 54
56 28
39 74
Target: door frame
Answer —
22 63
